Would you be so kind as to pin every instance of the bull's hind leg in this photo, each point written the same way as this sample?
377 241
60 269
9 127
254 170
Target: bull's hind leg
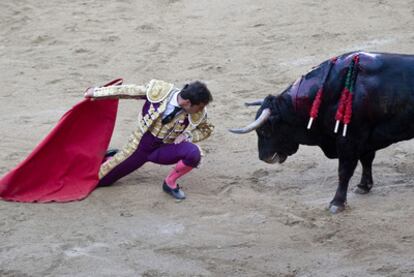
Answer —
366 179
346 170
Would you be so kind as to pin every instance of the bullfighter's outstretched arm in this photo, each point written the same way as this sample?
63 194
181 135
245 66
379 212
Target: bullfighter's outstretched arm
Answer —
122 91
155 91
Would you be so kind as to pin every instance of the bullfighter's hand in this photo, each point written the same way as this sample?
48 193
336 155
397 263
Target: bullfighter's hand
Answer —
89 92
180 139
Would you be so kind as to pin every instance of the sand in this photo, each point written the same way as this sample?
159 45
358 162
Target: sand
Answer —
242 216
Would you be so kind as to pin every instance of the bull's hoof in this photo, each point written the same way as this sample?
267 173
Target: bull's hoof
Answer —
363 188
336 209
359 190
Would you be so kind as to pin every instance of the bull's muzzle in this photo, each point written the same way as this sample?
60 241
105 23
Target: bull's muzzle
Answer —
276 158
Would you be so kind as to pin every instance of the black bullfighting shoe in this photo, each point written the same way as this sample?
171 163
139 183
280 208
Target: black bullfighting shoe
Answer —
177 193
109 154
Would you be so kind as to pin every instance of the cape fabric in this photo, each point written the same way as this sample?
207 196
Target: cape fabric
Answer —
65 165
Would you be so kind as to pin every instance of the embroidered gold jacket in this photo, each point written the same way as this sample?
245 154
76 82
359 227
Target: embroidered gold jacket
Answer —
156 93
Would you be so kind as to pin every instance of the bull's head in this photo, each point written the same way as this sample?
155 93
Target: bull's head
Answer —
275 140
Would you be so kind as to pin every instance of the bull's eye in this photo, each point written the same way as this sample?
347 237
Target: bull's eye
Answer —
260 132
263 133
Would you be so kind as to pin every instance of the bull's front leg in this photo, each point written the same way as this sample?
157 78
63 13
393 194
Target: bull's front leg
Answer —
346 170
366 179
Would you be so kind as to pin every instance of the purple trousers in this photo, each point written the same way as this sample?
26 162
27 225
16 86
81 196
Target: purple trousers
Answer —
152 149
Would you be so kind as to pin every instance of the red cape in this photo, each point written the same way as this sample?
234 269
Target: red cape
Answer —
65 165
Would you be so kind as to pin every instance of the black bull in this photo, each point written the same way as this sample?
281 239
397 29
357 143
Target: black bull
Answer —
382 114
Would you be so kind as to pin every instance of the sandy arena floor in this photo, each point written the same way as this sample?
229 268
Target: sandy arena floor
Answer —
242 216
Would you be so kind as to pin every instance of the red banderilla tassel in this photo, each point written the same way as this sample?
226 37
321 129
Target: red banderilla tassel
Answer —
341 108
348 113
315 107
318 98
348 106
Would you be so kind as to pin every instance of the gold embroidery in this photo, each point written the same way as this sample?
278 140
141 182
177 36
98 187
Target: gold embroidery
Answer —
122 90
158 90
122 155
200 132
196 118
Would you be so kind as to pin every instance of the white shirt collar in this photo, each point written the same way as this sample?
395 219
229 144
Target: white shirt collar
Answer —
174 98
172 103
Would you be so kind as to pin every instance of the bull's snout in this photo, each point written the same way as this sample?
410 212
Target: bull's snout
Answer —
275 158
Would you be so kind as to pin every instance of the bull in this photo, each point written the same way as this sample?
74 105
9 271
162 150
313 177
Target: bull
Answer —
350 106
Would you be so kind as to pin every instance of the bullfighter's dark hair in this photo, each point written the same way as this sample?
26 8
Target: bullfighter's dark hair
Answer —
197 92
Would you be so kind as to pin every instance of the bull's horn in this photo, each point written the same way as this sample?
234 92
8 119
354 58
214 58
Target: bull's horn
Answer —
254 103
254 125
